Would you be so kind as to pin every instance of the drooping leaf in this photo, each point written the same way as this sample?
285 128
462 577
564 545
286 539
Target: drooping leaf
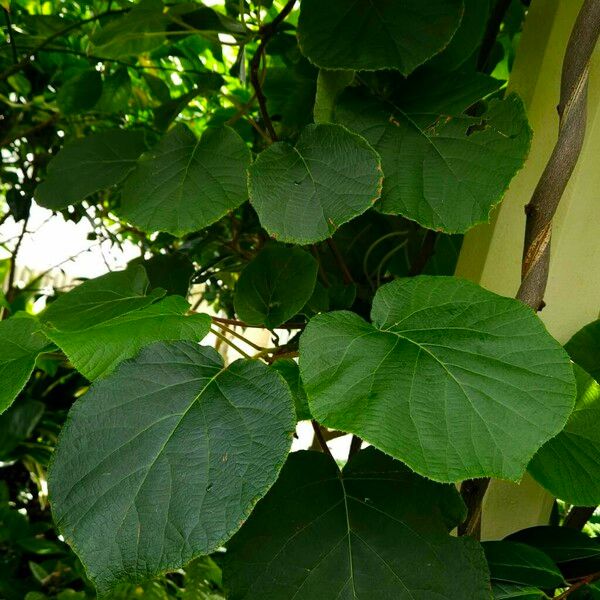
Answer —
97 350
455 381
521 564
164 460
584 349
171 272
448 171
375 530
303 193
185 184
510 591
378 34
88 165
275 285
79 92
21 341
98 300
290 371
138 31
568 466
575 553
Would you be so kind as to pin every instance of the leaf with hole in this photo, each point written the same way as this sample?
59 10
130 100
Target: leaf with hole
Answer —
303 193
455 381
163 460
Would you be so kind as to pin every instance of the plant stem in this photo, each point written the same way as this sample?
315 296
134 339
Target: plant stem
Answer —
321 440
578 516
246 325
579 584
240 337
227 341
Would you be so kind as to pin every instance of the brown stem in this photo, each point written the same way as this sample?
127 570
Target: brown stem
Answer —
355 445
266 33
321 439
548 193
242 324
578 516
340 261
582 582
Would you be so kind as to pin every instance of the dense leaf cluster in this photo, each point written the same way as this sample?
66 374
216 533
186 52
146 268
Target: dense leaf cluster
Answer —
307 168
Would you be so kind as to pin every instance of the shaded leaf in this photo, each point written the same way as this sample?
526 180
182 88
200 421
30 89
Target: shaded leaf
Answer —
290 371
508 591
21 340
80 92
521 564
377 34
446 172
584 349
568 466
88 165
330 84
376 530
275 285
455 381
97 350
163 461
304 193
98 300
171 272
185 184
17 424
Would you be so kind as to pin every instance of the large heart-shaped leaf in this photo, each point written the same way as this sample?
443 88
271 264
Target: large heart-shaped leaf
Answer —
21 341
568 465
275 285
184 183
303 193
446 170
96 351
584 349
88 165
164 460
454 380
98 300
375 530
376 34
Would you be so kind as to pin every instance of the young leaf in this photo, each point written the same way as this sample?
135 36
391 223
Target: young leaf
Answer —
302 194
275 285
98 300
375 530
446 173
164 460
520 564
88 165
97 350
449 378
568 466
342 34
185 184
584 349
21 341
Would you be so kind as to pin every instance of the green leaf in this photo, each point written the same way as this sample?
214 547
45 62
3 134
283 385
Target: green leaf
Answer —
330 84
172 272
21 341
509 591
455 381
116 92
88 165
80 92
275 285
163 461
102 299
302 194
97 350
447 172
375 530
568 466
17 424
185 184
377 34
584 349
575 553
140 30
290 371
520 564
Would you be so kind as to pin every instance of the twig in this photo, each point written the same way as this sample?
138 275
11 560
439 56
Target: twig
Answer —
10 287
585 581
240 337
355 446
321 440
546 197
11 37
246 325
227 341
340 261
578 516
266 32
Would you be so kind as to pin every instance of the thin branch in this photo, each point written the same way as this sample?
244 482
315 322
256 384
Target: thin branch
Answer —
240 337
246 325
540 211
11 36
12 270
581 583
266 33
578 516
355 446
321 440
227 341
340 261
